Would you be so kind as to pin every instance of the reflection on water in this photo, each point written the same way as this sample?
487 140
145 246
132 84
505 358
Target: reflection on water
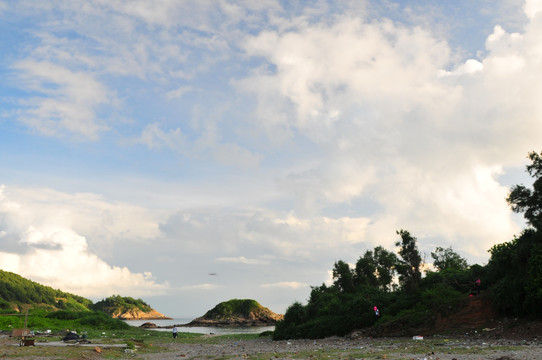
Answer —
201 329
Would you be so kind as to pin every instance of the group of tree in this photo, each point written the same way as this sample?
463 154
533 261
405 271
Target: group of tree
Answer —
393 281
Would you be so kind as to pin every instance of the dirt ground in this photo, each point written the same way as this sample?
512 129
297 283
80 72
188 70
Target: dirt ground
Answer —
340 348
467 347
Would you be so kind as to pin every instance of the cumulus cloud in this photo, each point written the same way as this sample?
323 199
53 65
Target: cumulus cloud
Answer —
49 251
533 8
259 231
419 141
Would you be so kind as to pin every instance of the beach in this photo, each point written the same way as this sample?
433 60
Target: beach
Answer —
435 348
368 348
214 347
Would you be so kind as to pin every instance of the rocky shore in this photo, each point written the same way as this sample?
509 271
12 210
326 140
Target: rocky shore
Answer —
253 319
135 314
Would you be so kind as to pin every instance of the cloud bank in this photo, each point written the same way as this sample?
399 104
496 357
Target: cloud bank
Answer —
45 248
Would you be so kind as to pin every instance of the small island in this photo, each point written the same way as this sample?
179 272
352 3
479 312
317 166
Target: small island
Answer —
237 312
127 308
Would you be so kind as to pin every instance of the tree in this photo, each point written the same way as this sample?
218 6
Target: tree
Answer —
343 277
386 263
409 265
448 259
529 201
365 271
514 268
376 268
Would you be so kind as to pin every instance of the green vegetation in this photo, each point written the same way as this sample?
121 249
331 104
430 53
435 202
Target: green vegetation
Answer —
58 320
55 310
234 307
17 292
117 304
513 277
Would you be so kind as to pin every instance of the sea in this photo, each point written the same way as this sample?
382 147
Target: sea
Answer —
200 329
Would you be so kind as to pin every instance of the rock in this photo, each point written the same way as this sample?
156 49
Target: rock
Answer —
148 325
135 314
70 336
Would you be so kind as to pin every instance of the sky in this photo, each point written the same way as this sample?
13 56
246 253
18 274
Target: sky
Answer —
190 152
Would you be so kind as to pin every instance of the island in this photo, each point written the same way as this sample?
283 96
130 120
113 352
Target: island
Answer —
127 308
232 313
237 312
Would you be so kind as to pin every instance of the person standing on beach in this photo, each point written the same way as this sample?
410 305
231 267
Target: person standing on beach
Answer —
174 332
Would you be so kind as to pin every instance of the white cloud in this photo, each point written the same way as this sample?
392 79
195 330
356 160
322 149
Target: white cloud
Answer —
179 92
49 251
204 287
242 260
67 102
285 284
275 234
394 131
471 66
208 146
533 8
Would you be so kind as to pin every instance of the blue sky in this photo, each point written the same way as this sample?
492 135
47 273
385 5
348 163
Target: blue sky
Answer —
147 145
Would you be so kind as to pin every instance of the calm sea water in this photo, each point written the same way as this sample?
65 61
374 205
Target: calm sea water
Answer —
201 330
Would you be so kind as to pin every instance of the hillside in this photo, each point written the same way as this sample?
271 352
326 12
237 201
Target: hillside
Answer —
237 312
474 317
16 293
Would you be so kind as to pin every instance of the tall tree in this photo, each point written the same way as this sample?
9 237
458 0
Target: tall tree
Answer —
365 271
515 267
376 268
448 259
386 263
343 277
529 201
410 262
